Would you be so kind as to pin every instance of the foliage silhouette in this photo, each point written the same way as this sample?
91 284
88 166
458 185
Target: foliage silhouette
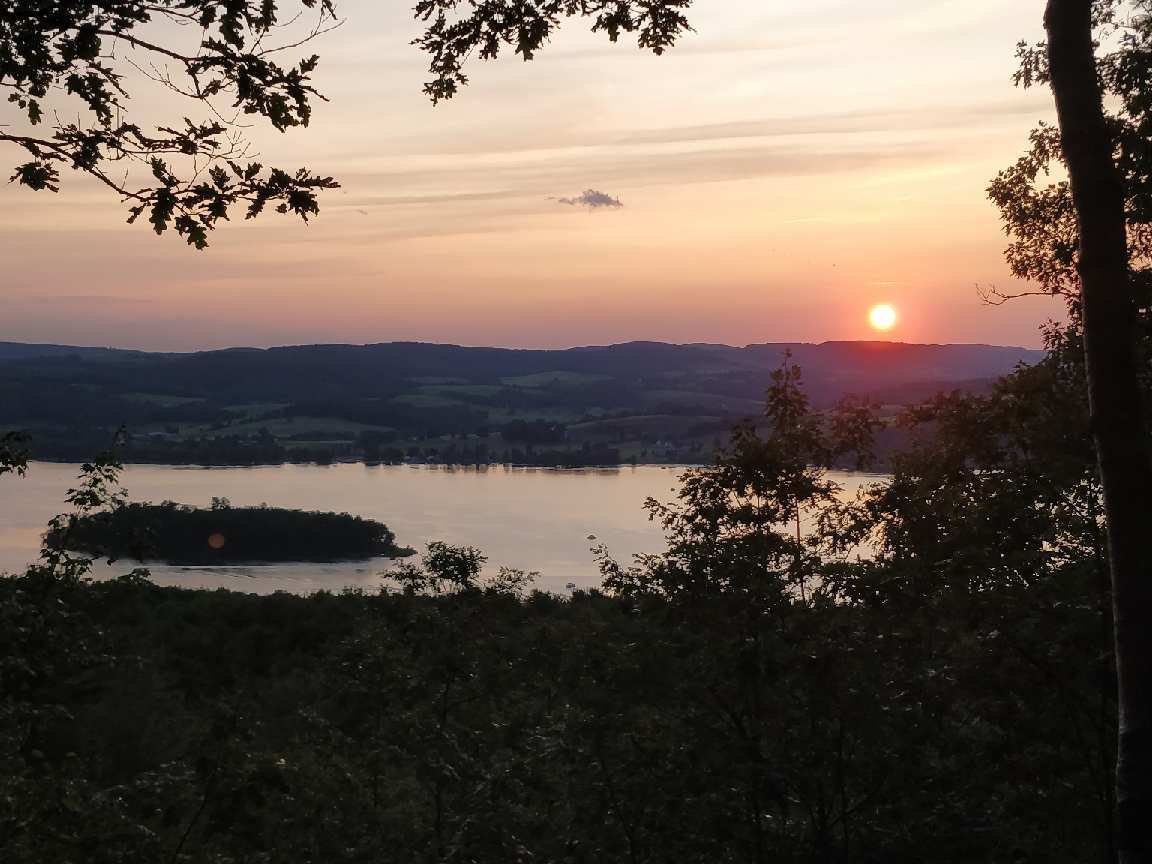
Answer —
1088 238
74 59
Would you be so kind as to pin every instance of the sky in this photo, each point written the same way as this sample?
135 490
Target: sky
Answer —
790 164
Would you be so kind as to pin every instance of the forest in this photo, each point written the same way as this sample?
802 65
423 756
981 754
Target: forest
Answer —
746 696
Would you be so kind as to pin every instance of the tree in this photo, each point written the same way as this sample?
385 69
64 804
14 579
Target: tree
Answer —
1087 237
1108 308
735 530
65 67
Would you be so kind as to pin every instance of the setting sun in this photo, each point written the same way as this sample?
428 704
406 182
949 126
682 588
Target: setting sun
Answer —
882 317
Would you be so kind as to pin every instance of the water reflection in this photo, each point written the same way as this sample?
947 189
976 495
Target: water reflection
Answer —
530 518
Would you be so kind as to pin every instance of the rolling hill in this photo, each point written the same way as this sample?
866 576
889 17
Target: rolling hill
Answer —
644 400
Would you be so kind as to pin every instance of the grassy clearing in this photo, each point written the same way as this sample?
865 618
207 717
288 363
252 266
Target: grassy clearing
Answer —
553 379
427 400
481 390
650 424
713 402
420 380
164 400
328 428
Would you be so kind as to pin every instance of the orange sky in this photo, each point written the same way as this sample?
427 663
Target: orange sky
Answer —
791 164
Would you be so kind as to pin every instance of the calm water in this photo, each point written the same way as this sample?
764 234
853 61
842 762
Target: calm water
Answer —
531 518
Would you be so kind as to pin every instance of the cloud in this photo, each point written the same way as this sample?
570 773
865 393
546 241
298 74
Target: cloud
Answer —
515 177
920 118
97 300
592 199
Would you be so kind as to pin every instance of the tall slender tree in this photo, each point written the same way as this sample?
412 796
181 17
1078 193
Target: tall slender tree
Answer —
1107 304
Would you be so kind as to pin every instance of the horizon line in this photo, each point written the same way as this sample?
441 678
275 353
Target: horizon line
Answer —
585 347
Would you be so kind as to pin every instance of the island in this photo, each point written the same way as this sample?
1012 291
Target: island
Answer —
223 534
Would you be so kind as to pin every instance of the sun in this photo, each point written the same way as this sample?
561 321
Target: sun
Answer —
882 316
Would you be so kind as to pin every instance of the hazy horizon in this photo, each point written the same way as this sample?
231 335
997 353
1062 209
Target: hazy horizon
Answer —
574 347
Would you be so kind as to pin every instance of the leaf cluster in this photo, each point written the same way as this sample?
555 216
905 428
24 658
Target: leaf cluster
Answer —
1033 195
74 59
455 30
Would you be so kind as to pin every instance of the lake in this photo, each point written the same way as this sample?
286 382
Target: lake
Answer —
531 518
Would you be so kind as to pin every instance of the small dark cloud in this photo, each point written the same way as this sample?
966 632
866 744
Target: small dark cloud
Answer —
592 199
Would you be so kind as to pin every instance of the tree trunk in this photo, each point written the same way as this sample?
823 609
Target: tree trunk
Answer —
1114 395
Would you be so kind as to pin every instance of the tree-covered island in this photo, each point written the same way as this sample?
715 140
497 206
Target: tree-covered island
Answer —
223 534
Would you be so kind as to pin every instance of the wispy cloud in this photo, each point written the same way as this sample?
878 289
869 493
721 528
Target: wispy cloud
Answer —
920 118
593 199
93 300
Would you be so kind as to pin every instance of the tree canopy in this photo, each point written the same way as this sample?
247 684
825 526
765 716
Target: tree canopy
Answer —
69 69
454 34
1034 196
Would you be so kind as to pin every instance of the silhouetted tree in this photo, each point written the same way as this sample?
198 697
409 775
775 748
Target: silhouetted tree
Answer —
736 527
1108 308
1087 238
65 66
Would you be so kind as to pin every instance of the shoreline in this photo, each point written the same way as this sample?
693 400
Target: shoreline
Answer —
439 466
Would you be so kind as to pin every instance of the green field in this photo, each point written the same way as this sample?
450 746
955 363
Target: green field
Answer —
553 379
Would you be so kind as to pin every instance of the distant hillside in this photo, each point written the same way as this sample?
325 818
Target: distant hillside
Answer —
645 400
29 350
